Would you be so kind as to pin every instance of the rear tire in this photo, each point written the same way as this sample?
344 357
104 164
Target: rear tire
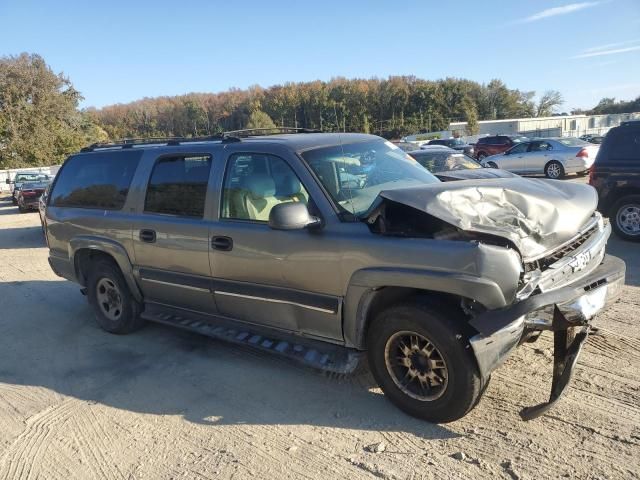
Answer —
115 308
492 165
440 387
554 170
21 208
625 218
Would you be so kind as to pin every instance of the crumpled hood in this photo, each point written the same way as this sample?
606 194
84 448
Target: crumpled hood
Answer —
473 173
536 215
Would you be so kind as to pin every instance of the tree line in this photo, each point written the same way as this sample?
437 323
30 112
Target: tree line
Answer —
390 107
41 123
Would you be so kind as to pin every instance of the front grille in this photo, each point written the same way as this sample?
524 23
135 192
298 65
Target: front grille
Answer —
545 262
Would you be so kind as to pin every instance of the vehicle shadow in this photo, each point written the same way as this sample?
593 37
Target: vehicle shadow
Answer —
630 253
52 341
22 237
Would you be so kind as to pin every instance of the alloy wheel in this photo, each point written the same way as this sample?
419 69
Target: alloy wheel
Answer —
416 366
628 219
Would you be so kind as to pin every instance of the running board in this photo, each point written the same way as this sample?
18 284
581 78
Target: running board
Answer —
312 353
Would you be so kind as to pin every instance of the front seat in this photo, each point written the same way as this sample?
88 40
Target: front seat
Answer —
259 196
289 189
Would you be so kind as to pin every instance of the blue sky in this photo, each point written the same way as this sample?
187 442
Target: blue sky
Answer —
119 51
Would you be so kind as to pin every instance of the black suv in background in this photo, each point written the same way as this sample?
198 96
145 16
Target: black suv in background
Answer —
456 144
615 174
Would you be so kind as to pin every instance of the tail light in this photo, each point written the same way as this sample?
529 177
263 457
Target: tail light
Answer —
583 153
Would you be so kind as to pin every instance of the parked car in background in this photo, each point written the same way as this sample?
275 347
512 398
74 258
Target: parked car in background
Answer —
495 144
262 241
555 157
597 139
455 143
407 146
22 177
448 164
29 195
615 174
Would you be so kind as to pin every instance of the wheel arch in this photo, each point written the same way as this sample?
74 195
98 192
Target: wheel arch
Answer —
617 195
372 290
85 250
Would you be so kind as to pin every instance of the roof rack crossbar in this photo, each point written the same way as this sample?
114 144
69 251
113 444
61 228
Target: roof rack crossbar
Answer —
225 137
248 132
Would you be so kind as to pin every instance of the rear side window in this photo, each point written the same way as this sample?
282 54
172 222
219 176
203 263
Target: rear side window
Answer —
624 144
178 186
95 180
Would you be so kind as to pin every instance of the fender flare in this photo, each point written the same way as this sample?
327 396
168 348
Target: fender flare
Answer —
111 248
367 283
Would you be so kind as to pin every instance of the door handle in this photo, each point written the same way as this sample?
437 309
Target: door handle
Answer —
148 236
222 243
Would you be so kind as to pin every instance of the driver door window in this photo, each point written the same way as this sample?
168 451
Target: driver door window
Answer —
255 183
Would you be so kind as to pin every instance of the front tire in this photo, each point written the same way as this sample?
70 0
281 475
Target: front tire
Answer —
492 165
554 170
421 359
115 308
625 218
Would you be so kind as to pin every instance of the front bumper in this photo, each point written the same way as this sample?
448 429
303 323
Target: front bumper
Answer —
563 311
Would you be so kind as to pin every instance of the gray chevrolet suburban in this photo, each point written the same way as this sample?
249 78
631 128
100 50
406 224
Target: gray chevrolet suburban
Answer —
330 248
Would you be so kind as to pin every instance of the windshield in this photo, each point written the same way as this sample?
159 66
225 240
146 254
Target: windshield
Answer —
573 142
354 174
30 177
444 161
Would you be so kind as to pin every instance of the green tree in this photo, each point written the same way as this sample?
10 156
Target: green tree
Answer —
259 119
39 120
549 100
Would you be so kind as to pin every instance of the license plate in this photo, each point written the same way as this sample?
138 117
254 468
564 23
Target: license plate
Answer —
580 261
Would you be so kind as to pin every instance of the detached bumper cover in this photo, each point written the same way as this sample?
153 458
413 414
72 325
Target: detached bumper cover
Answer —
564 311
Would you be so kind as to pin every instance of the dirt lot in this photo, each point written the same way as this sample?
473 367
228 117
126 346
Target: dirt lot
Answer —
76 402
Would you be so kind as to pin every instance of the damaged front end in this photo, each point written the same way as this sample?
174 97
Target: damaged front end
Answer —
565 277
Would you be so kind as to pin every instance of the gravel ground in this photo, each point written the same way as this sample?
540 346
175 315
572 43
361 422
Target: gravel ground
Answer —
76 402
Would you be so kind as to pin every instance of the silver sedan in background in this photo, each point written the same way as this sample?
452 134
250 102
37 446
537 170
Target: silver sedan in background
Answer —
554 157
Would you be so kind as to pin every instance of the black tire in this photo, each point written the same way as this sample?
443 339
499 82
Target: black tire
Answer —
554 170
443 328
492 165
21 208
621 224
13 200
125 312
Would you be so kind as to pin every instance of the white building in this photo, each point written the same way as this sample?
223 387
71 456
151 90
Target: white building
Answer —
560 126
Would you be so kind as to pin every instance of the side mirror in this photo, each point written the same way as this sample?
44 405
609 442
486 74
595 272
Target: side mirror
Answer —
292 216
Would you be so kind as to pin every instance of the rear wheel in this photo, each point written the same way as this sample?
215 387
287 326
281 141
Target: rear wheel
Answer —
492 165
625 218
115 308
554 170
21 208
421 360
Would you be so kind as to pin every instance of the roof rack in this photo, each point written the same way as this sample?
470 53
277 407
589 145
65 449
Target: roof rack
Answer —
225 137
135 142
250 132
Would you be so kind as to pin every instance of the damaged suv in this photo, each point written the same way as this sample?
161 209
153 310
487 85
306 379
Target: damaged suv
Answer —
327 248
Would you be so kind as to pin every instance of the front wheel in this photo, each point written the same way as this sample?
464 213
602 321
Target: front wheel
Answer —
554 170
492 165
625 218
421 359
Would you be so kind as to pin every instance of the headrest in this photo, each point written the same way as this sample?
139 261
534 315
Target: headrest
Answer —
289 185
260 186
